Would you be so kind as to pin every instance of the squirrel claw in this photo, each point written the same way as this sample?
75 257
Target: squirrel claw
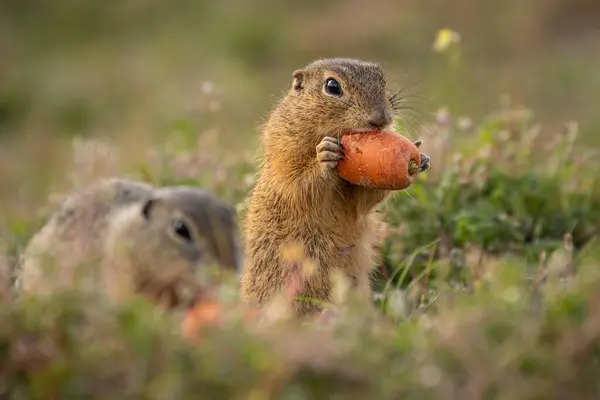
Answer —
330 152
425 162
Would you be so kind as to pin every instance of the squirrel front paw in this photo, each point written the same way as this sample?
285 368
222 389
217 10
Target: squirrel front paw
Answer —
425 159
329 153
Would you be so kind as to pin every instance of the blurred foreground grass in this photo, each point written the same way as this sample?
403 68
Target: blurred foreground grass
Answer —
488 289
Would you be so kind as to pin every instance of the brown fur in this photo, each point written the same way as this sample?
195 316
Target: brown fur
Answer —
118 234
299 198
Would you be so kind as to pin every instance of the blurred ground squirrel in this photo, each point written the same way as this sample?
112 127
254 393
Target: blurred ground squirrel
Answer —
125 236
299 198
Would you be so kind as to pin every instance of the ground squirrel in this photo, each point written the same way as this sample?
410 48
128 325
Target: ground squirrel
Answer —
132 237
299 198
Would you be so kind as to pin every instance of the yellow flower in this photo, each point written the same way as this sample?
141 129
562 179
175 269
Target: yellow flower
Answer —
445 38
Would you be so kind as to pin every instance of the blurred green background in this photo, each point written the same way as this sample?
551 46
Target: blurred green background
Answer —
136 70
79 67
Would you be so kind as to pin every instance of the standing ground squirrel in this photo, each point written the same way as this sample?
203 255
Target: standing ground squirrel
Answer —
125 236
300 199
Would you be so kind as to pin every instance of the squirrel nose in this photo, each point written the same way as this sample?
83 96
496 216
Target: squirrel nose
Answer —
380 117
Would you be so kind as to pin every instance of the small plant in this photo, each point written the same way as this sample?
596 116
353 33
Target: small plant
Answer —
502 192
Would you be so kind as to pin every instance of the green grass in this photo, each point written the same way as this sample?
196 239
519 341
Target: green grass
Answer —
491 292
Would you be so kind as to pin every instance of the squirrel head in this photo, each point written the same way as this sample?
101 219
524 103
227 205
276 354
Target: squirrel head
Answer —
182 230
338 96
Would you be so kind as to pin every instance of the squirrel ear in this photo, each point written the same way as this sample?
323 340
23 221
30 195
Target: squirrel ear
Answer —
298 83
147 207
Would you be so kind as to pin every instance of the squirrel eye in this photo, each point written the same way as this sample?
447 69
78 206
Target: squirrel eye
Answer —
181 230
333 87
